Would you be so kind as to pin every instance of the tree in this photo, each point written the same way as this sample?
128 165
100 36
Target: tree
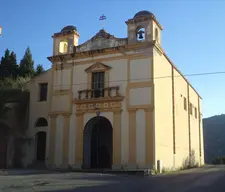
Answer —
13 67
39 69
8 66
5 61
26 67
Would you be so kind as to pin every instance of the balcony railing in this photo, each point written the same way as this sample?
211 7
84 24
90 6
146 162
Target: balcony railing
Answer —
98 93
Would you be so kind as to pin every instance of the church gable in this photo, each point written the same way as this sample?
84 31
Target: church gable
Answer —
97 67
101 40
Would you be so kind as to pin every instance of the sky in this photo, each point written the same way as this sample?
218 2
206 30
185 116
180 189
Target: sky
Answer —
193 36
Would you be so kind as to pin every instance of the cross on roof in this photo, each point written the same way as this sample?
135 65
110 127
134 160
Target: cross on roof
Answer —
102 18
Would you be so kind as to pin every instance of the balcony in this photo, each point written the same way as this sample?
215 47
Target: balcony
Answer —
108 92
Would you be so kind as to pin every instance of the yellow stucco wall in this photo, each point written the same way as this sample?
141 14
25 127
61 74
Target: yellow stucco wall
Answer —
177 132
37 109
163 110
181 119
149 123
133 75
194 124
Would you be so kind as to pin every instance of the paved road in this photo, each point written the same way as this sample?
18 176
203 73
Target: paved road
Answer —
208 179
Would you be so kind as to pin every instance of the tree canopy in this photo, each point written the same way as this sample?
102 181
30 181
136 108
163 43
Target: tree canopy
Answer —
14 75
9 68
39 69
8 65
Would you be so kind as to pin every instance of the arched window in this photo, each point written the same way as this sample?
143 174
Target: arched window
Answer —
141 34
41 122
63 47
156 34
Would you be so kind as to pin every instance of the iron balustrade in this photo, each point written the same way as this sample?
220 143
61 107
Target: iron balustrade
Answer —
99 93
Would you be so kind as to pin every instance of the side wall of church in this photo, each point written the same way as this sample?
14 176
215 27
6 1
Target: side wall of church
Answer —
181 119
178 128
163 112
196 136
37 109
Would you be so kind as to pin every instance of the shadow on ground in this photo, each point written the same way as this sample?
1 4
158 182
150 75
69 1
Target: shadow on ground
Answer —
106 184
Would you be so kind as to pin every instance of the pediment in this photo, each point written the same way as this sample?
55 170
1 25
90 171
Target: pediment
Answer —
101 40
97 67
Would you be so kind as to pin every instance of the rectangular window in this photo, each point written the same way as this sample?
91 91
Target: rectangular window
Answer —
98 84
185 104
195 112
190 108
43 91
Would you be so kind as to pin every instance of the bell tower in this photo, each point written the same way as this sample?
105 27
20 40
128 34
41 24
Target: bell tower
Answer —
143 27
65 40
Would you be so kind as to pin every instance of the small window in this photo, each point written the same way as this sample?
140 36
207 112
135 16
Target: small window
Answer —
43 91
98 84
185 103
190 108
195 112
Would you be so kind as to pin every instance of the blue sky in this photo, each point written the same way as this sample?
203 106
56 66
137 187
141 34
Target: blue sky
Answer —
193 35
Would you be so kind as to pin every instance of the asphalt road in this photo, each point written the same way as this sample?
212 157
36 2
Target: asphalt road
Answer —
207 179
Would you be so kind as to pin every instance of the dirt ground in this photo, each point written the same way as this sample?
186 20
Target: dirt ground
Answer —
205 179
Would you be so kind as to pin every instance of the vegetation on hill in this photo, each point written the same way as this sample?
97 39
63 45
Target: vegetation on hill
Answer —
214 138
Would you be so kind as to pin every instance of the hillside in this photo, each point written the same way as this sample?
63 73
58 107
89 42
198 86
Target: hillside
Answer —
214 137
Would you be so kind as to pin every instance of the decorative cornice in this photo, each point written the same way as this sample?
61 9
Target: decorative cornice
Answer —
56 113
62 92
98 52
64 34
144 18
52 115
98 100
97 67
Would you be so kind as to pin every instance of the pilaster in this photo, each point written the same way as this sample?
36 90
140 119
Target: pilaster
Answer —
51 156
79 139
132 138
149 137
117 139
66 139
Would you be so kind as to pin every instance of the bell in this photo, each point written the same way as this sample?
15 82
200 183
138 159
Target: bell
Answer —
140 34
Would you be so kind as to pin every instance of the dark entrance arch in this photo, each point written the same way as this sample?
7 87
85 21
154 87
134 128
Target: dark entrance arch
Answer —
41 146
97 144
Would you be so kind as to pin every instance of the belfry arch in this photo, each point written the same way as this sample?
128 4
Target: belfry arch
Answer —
97 144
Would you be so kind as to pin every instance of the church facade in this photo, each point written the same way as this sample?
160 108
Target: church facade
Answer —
113 103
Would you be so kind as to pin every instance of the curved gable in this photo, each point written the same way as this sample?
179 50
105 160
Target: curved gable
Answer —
101 40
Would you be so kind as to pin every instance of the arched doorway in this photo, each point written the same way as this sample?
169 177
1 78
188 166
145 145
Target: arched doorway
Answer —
41 146
97 144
